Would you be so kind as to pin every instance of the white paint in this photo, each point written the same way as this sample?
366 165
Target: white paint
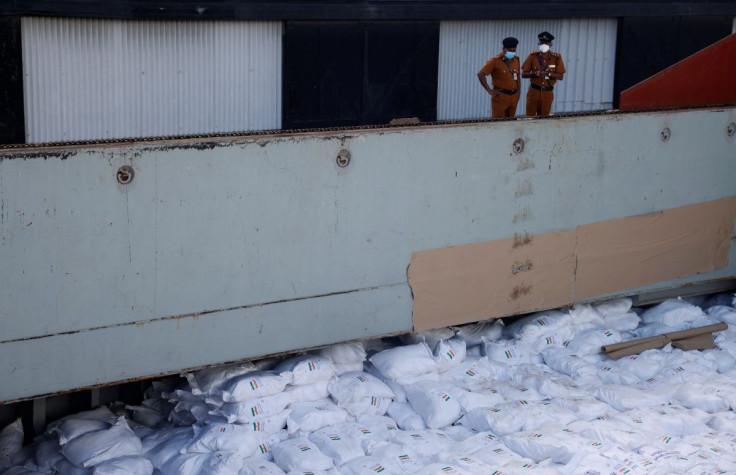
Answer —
101 79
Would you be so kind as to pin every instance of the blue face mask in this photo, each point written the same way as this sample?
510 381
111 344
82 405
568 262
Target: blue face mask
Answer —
510 55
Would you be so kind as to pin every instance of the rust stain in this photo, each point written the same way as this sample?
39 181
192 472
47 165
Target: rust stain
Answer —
520 290
521 240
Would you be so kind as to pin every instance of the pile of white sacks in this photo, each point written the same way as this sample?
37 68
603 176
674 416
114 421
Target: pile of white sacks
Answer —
536 396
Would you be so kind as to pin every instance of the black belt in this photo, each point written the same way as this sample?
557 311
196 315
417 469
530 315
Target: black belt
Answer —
542 88
506 91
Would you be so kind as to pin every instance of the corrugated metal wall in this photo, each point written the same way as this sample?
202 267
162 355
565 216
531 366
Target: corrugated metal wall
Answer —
98 79
588 48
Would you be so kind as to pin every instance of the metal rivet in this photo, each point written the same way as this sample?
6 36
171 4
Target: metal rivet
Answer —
343 158
665 134
731 129
518 145
125 174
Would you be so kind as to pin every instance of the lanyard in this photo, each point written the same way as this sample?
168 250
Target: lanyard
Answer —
513 74
541 65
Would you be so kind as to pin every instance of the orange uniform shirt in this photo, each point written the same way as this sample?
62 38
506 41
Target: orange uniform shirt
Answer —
532 63
502 72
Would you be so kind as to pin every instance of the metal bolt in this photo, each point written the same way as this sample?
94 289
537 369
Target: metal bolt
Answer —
343 158
731 129
665 134
518 146
125 174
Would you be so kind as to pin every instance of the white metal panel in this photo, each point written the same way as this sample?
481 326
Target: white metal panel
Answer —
588 48
99 79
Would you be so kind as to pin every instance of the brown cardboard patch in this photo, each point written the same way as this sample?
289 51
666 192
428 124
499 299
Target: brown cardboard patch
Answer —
630 252
494 279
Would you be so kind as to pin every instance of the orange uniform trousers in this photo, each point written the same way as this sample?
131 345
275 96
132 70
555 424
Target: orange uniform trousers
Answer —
504 105
539 102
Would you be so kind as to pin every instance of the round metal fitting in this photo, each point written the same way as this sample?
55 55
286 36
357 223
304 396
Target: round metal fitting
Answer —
343 158
518 145
665 134
731 129
125 174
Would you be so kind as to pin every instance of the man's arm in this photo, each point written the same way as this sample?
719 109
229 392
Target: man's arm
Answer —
484 83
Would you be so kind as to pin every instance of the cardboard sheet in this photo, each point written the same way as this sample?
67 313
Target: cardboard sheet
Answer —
491 279
641 250
505 277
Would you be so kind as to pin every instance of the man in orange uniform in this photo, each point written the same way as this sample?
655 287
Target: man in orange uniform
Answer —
544 67
506 79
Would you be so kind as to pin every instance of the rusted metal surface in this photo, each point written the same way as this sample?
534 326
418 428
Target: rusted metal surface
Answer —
705 78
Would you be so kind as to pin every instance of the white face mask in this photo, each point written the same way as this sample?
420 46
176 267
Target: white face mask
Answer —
543 48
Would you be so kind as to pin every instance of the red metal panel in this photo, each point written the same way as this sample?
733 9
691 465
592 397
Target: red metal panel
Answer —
706 78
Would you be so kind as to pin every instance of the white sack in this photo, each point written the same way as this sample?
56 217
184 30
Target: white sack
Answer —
405 361
310 416
557 443
371 431
693 395
186 464
11 441
161 449
500 420
517 392
207 381
405 416
585 409
442 468
470 400
510 352
536 326
673 312
624 323
427 444
133 465
338 443
722 359
723 422
70 429
613 307
224 438
307 369
255 409
615 433
309 392
353 386
475 333
253 386
475 372
624 397
723 314
589 342
399 456
430 337
368 464
256 466
48 452
433 402
561 360
345 355
449 353
147 416
93 448
300 454
370 405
